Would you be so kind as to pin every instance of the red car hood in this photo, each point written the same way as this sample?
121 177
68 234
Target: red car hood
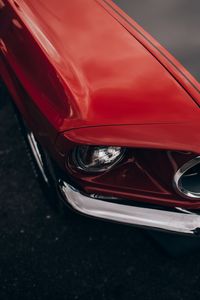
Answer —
107 72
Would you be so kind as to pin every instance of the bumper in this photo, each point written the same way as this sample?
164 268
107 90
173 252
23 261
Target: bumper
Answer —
178 221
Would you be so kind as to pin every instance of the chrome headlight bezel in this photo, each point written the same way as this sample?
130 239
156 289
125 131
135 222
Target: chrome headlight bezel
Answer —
177 182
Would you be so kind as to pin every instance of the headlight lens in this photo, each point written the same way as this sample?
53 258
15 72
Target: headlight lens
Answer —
97 158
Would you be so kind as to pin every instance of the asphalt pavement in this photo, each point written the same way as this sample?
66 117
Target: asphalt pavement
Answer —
46 255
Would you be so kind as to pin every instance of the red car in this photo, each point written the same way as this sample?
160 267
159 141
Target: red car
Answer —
108 97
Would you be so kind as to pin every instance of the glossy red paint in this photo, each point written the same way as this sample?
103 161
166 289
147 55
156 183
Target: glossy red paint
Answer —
80 72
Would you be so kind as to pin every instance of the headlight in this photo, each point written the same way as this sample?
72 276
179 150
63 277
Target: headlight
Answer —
187 179
97 158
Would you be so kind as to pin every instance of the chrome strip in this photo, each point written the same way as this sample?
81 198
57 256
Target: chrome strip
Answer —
178 221
36 152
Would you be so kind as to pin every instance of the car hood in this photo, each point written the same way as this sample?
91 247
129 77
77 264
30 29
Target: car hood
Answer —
108 74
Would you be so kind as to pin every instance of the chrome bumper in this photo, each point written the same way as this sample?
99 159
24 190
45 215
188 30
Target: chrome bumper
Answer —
179 221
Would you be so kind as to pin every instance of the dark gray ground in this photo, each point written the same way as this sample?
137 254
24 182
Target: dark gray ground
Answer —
45 256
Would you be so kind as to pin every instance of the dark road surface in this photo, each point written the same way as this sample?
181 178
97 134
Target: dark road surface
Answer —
44 255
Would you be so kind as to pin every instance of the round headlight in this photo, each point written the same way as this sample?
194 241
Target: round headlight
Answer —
97 158
187 179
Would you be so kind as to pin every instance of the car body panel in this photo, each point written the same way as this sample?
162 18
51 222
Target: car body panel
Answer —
105 78
158 136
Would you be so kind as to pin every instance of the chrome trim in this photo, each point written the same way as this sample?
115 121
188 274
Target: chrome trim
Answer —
175 221
36 153
177 185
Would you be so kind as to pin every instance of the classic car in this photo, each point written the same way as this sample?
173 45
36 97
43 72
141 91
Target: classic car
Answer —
107 95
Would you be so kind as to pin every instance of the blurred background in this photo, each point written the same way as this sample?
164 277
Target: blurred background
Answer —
44 254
